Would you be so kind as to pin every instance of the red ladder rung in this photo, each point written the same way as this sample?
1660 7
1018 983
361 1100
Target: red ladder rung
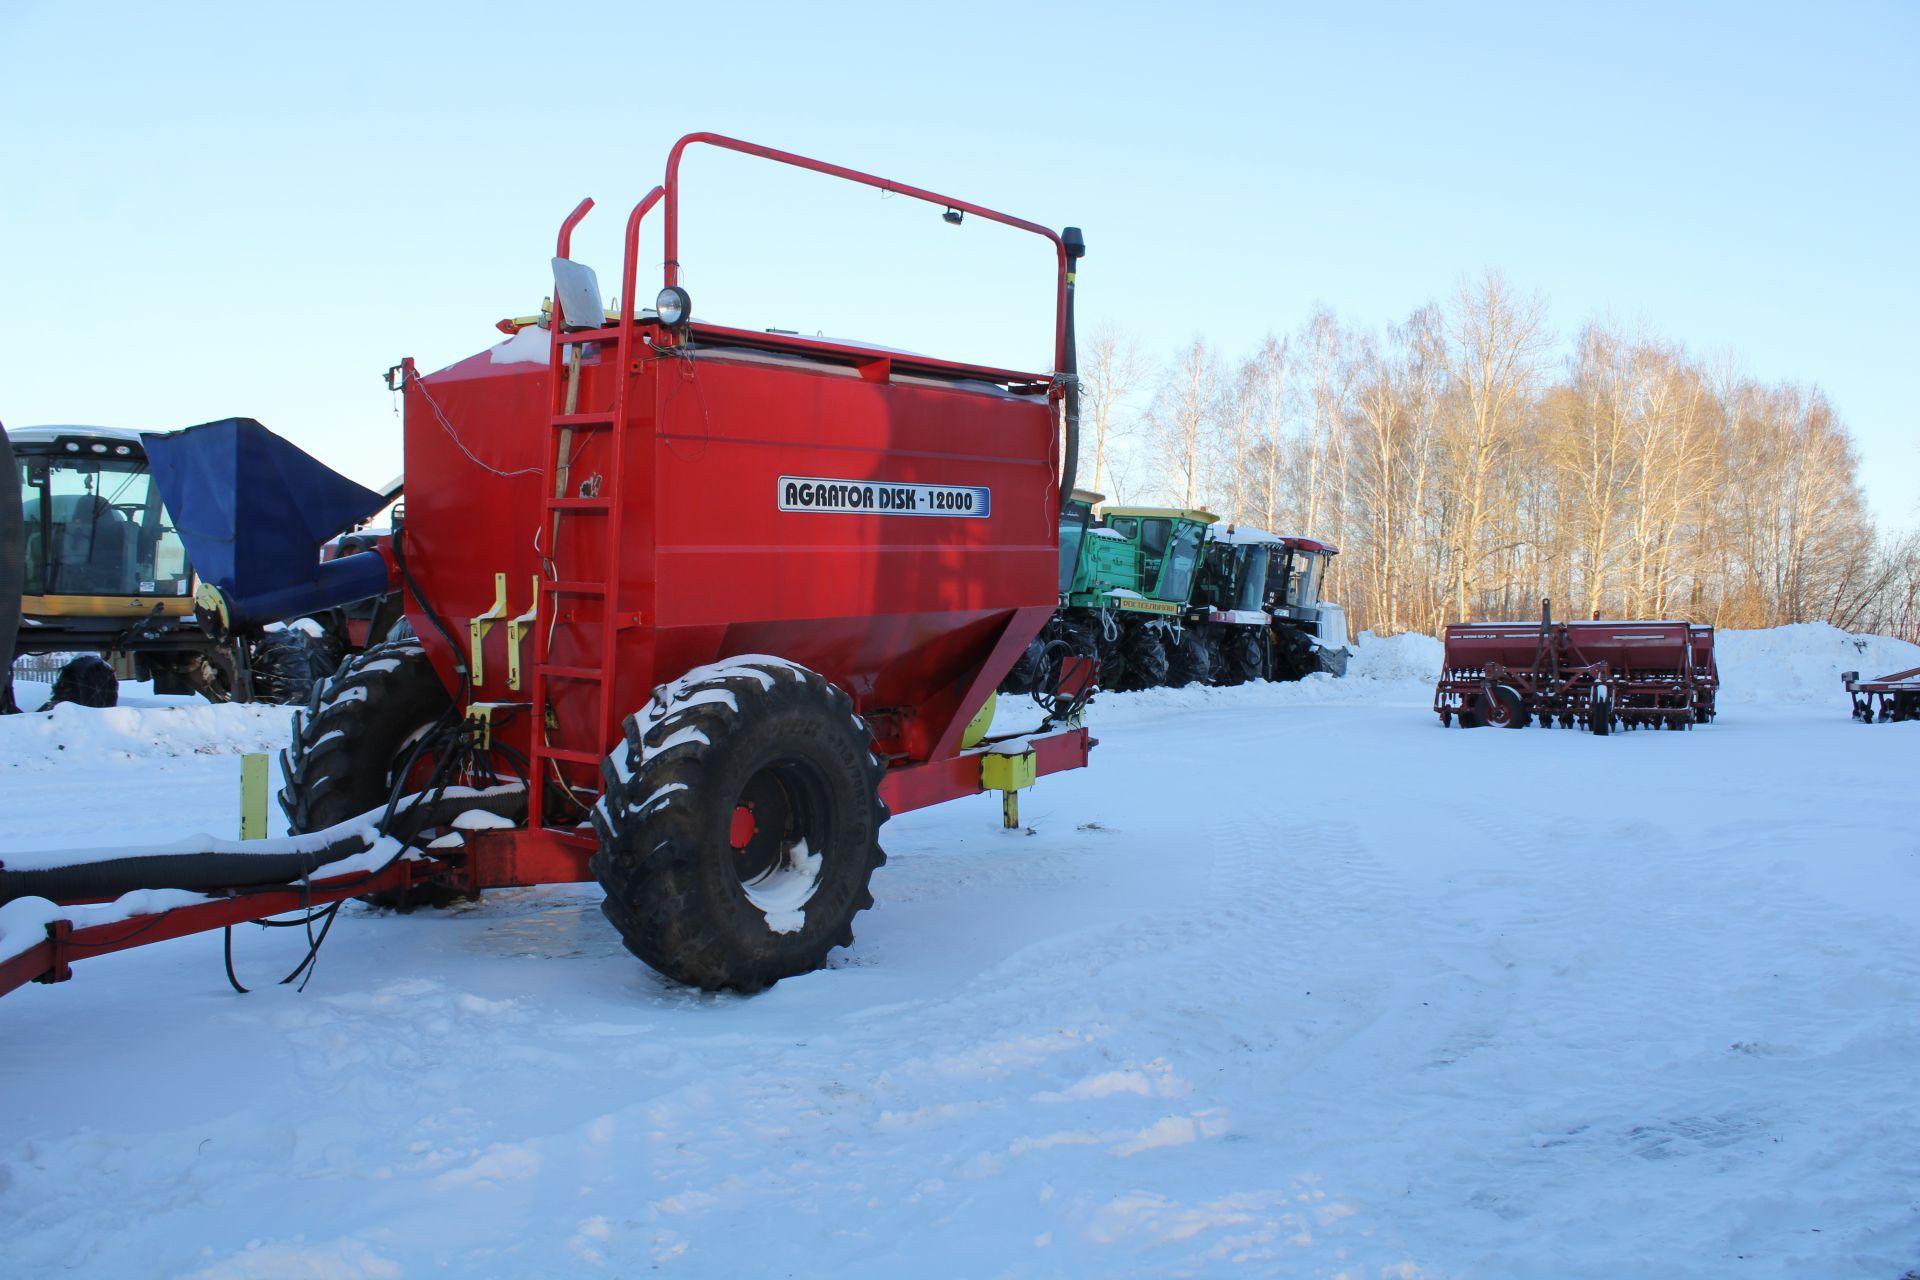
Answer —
552 672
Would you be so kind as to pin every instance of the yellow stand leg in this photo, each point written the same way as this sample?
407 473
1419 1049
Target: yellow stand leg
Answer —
253 797
1010 810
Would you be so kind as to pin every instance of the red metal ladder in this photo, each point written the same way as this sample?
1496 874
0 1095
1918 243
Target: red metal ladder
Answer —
567 511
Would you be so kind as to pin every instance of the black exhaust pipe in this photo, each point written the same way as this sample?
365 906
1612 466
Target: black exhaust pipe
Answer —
1076 247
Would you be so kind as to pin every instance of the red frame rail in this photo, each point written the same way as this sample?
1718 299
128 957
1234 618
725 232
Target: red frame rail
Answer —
53 959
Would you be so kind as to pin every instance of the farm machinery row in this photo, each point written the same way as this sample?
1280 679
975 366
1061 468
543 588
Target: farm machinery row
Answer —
106 587
1596 674
1169 596
694 609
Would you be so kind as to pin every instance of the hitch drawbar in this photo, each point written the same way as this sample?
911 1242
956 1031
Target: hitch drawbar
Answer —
57 907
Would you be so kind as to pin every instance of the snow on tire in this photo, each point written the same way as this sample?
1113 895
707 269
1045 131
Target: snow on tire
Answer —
740 825
348 741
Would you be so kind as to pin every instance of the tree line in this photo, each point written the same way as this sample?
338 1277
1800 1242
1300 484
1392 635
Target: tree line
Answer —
1468 467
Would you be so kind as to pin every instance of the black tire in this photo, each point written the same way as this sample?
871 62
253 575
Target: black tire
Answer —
287 664
350 742
1293 655
1024 675
349 745
1187 659
1079 641
1600 716
1241 659
86 681
1145 655
1502 707
681 866
13 568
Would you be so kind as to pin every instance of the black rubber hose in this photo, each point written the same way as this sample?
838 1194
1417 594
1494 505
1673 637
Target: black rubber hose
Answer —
207 870
13 566
1076 246
197 872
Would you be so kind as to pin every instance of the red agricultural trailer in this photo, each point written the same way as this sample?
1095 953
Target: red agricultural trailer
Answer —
1595 674
1894 697
697 608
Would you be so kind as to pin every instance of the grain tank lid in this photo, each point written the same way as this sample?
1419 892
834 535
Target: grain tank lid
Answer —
251 507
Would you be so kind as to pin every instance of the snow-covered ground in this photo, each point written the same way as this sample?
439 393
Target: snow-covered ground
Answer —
1291 982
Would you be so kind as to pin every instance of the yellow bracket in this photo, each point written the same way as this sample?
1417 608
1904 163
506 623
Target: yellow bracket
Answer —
482 623
517 628
480 716
1009 772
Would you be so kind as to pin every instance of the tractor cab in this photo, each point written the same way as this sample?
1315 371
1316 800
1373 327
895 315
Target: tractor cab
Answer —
105 571
1234 574
1295 575
1076 515
1148 553
97 539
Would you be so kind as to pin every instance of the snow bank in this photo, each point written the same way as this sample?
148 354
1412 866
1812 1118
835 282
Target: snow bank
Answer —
1407 656
68 734
1803 662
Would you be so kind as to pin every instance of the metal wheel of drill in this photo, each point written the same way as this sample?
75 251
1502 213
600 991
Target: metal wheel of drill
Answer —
287 664
1502 707
1187 659
355 741
1240 657
1145 656
1600 715
740 827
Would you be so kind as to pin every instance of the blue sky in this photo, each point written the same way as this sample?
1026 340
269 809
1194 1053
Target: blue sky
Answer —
255 210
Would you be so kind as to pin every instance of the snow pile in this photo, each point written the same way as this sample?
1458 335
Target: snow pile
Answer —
1803 662
1407 656
69 734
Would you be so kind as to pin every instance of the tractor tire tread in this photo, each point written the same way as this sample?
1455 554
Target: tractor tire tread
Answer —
655 826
